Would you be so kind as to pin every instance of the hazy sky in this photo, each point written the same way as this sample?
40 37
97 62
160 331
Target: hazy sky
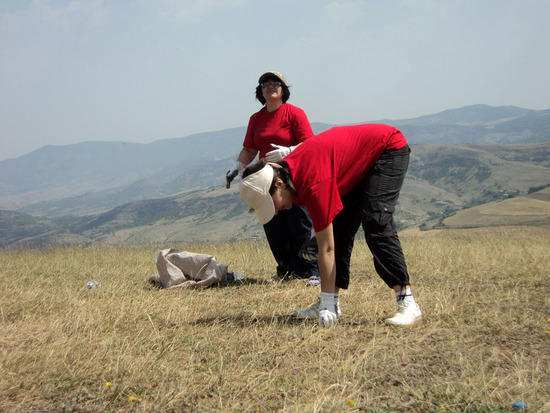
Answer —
139 71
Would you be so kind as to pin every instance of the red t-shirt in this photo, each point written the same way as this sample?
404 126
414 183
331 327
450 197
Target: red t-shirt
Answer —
286 126
326 167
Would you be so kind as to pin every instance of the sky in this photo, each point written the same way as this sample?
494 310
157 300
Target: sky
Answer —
139 71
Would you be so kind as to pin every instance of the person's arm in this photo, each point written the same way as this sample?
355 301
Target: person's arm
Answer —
328 304
301 127
326 262
246 156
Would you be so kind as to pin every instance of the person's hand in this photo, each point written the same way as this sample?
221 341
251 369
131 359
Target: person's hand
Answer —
327 318
278 154
229 176
232 173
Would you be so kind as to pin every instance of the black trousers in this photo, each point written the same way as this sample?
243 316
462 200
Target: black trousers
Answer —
286 233
371 203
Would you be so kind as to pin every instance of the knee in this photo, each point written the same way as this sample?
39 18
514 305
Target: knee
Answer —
378 218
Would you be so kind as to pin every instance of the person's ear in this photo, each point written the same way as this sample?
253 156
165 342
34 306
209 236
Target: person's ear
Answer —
279 183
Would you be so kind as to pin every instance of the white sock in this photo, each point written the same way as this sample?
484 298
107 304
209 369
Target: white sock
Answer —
330 301
405 295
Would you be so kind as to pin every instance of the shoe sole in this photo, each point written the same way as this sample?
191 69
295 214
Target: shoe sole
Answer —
417 319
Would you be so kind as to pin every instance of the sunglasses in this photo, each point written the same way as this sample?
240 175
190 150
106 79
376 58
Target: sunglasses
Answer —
268 84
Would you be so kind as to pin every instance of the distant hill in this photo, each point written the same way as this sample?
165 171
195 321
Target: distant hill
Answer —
474 114
530 209
479 124
477 172
93 177
442 180
57 172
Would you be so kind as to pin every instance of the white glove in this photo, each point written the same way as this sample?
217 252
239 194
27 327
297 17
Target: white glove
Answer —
327 318
328 309
278 154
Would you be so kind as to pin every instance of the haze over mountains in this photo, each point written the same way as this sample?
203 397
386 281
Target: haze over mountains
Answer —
460 157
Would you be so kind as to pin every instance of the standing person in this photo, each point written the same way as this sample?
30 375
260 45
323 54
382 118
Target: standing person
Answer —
273 132
346 176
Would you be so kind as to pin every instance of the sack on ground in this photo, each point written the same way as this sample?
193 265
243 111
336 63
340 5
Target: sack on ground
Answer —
182 269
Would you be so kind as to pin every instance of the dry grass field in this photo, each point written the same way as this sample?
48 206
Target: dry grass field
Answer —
483 344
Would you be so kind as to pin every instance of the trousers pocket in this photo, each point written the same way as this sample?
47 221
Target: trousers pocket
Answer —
378 214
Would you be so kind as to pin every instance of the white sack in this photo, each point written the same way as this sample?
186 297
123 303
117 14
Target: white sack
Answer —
182 269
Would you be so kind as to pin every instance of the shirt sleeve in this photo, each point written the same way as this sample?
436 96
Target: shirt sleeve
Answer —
249 137
301 128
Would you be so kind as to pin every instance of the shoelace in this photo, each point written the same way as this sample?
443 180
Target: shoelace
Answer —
402 304
401 297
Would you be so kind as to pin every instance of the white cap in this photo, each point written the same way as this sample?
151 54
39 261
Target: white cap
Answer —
255 192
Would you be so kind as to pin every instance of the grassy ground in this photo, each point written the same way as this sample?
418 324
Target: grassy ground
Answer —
483 344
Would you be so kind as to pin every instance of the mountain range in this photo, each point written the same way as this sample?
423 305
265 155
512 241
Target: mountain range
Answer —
172 190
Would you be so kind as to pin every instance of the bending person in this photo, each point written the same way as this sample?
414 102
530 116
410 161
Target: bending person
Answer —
273 132
346 177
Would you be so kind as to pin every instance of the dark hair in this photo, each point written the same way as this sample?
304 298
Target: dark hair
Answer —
260 96
282 173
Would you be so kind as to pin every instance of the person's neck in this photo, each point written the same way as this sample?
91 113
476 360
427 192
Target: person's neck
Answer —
272 106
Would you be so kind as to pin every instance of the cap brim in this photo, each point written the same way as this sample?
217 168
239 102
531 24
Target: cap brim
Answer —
266 212
254 190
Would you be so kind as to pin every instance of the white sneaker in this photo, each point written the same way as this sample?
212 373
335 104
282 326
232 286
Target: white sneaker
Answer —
407 313
311 312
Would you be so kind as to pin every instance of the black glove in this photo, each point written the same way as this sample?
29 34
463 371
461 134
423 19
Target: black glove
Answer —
309 250
229 176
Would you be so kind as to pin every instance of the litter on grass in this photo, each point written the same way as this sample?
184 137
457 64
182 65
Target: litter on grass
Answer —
183 269
92 284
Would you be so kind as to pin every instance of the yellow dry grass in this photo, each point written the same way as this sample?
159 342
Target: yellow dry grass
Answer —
517 206
484 342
